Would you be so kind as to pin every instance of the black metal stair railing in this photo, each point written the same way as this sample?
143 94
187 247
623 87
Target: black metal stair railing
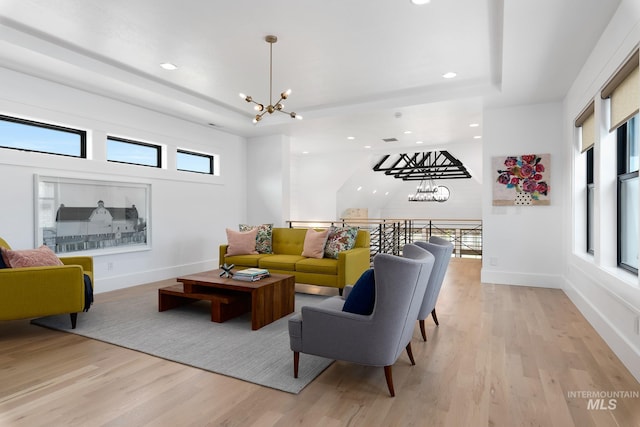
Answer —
390 235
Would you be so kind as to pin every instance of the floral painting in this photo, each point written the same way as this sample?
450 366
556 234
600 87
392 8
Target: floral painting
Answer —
521 180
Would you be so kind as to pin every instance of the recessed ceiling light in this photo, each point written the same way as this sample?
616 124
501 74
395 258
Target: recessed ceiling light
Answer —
359 188
407 132
386 193
305 152
474 125
367 146
477 137
419 142
449 75
169 66
374 191
420 2
351 137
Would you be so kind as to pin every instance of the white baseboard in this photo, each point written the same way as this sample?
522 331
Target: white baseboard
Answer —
624 349
537 280
106 284
627 352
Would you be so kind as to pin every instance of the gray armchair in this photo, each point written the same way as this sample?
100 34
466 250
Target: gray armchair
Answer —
441 250
376 339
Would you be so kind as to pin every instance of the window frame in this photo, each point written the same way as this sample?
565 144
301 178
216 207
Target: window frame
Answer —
81 133
624 135
196 154
590 200
157 147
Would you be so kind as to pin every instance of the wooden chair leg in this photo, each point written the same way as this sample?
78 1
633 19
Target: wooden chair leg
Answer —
422 330
410 353
389 378
296 361
435 318
74 319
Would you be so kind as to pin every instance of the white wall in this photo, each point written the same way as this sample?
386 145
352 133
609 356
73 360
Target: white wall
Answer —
188 211
325 186
608 297
316 181
522 245
268 180
465 202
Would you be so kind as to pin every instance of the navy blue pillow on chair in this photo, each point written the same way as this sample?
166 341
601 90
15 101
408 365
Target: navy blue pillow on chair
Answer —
363 295
2 263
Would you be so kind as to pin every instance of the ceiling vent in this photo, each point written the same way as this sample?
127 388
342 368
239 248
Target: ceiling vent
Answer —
390 139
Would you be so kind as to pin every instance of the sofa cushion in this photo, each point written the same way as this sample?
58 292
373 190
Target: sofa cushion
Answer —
362 297
264 237
280 262
340 239
314 242
244 260
42 256
318 265
288 241
241 242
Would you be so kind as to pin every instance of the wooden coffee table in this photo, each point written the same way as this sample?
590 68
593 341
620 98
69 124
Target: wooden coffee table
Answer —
268 299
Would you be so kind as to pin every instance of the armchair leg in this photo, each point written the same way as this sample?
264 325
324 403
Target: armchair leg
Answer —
296 361
74 319
389 378
410 353
435 318
422 330
340 291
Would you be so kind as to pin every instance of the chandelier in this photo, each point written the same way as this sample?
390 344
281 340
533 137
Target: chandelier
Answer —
427 191
278 106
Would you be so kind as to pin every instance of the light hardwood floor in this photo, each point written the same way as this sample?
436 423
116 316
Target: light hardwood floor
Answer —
502 356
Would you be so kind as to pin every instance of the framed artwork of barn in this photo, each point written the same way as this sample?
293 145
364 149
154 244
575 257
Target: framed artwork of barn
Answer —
84 215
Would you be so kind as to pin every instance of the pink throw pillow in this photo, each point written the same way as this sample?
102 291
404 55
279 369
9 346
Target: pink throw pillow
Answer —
241 242
314 242
43 256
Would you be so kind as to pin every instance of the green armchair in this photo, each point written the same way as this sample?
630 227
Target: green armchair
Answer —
43 291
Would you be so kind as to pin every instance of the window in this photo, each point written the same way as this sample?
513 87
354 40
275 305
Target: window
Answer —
586 123
590 202
628 191
194 162
27 135
133 152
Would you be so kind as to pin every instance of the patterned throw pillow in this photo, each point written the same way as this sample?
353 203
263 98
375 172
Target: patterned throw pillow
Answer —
340 239
264 237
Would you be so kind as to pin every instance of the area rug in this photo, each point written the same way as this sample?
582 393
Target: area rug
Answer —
186 335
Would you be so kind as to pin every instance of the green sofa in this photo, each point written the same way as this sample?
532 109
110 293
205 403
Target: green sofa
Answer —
287 244
43 291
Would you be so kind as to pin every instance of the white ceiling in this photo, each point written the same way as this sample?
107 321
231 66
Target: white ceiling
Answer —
352 65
